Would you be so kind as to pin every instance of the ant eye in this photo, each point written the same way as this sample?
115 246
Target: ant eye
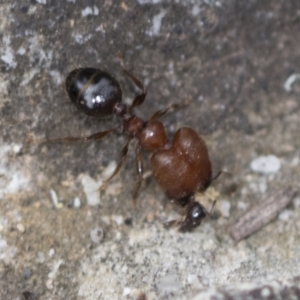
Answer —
195 213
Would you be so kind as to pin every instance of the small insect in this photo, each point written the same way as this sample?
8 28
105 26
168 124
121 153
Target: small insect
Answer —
181 167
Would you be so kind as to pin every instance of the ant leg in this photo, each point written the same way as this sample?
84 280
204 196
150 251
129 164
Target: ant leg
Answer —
119 165
172 223
184 202
212 207
139 99
140 170
217 175
170 107
71 139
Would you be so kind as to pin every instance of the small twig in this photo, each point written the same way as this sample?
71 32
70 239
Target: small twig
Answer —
261 214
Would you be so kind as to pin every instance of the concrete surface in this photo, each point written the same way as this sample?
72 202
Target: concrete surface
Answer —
233 59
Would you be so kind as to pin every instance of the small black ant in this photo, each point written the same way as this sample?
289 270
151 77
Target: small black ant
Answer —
180 167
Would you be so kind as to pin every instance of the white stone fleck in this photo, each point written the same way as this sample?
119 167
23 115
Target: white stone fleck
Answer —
90 11
76 202
290 81
126 291
156 23
8 55
265 292
41 1
266 165
55 269
285 215
56 76
192 279
12 176
91 190
51 252
17 148
224 207
49 284
21 227
169 283
55 200
196 10
21 51
80 38
97 235
118 219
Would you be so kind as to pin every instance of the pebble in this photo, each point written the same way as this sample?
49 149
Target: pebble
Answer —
169 283
118 219
224 207
288 84
76 202
21 228
192 279
51 252
97 235
54 198
17 148
266 165
126 291
90 187
55 268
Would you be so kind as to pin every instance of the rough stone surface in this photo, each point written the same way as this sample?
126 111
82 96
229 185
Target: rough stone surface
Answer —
232 58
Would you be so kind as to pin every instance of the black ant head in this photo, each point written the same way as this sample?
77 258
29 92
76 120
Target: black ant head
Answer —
194 214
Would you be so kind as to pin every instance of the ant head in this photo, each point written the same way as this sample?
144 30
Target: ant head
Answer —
195 213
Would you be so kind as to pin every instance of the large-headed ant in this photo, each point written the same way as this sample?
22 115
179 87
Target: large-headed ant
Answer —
180 167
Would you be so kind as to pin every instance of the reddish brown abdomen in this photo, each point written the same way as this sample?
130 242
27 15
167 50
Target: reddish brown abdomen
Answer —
183 168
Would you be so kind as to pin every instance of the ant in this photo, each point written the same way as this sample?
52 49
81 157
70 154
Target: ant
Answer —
180 167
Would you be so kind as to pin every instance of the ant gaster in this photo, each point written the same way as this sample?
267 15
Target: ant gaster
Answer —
180 167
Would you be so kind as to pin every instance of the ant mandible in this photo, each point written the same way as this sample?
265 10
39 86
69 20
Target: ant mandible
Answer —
180 167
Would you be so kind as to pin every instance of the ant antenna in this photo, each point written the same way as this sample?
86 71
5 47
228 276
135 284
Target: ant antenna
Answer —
212 207
217 175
